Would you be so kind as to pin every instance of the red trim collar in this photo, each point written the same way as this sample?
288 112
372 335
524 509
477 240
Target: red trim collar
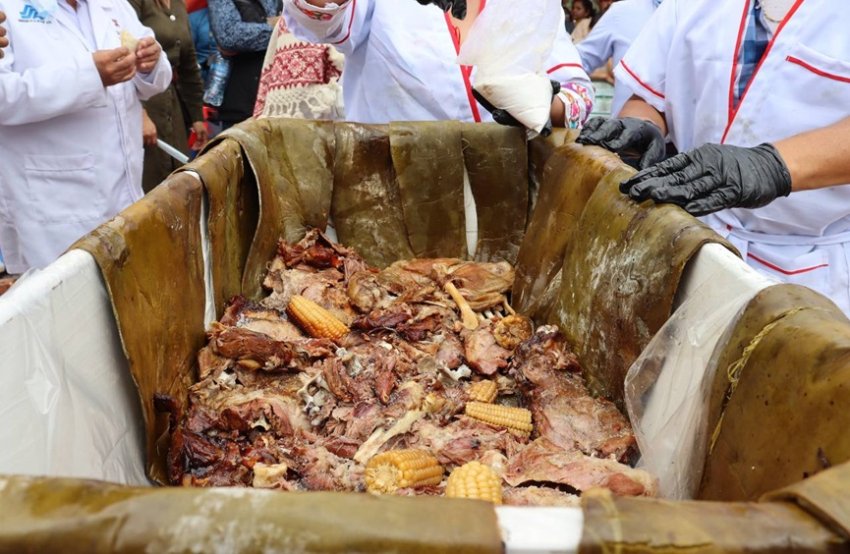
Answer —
733 113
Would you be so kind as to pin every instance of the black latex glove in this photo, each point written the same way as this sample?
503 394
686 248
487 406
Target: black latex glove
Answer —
639 142
502 117
714 177
458 7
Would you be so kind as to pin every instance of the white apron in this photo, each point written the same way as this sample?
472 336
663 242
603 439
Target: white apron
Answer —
70 150
682 64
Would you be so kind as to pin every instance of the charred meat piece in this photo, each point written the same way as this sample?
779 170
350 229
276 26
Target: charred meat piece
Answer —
255 350
543 461
258 351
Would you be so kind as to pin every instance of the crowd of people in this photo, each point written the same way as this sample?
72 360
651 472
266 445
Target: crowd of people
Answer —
753 94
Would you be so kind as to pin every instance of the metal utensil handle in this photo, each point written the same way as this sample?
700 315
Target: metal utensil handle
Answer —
173 152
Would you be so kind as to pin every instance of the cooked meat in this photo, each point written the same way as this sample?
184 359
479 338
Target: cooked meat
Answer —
460 441
321 470
450 353
242 344
483 284
240 410
275 409
543 461
210 363
259 351
562 409
384 318
482 352
539 496
279 329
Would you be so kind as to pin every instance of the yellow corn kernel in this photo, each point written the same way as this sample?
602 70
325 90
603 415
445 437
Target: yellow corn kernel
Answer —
512 330
517 420
402 469
314 319
483 391
475 480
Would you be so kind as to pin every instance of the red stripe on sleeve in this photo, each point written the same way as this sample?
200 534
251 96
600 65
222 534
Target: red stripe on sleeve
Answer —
562 65
640 82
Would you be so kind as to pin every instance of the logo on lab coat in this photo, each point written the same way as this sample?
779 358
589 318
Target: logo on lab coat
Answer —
31 13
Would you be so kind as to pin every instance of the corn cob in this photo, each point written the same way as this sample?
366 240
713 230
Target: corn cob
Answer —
401 469
483 391
475 480
517 420
314 319
512 330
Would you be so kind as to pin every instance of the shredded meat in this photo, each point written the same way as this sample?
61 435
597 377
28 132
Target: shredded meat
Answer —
563 410
279 410
545 462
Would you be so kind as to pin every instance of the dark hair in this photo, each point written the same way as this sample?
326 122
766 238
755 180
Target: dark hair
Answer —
588 5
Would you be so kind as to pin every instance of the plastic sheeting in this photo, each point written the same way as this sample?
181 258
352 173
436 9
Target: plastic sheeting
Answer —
667 388
68 405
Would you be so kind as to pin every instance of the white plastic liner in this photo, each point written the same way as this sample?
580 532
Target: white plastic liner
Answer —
667 387
68 405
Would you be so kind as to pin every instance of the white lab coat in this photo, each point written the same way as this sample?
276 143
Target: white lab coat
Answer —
682 64
610 39
70 151
400 60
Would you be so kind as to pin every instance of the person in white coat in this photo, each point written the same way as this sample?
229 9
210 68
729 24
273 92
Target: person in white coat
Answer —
70 121
756 96
400 60
611 37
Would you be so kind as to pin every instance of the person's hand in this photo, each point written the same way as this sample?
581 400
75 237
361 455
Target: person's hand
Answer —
115 66
714 177
148 130
202 136
4 42
503 117
457 7
638 141
147 55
